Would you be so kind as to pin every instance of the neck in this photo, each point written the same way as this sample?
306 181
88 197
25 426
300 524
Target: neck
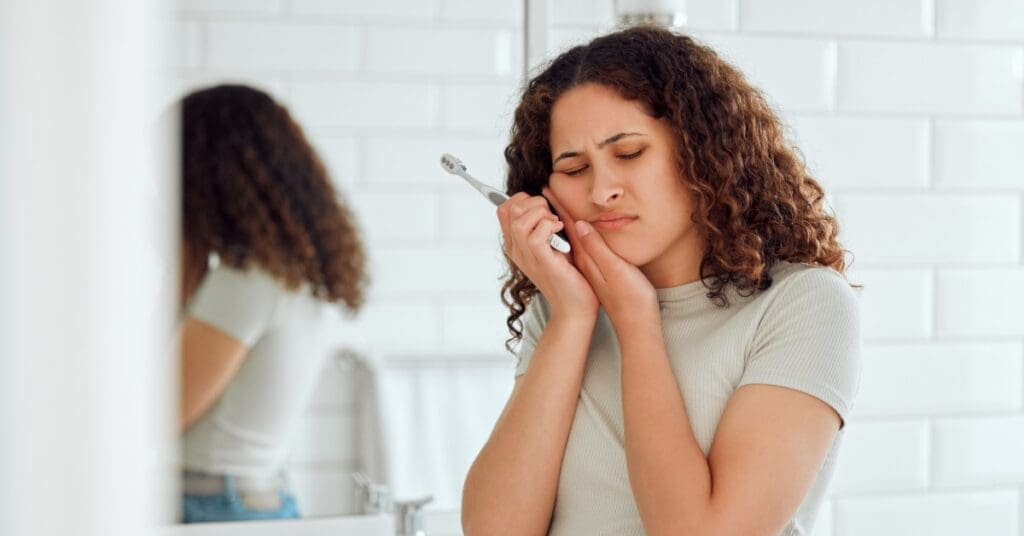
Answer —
679 264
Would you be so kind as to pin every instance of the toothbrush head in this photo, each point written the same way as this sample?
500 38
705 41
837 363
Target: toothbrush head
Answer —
452 165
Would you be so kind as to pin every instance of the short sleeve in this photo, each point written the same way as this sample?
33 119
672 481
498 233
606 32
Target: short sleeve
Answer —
809 339
534 319
238 302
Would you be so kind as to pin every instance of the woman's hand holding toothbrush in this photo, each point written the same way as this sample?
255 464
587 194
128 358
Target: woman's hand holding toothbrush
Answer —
526 224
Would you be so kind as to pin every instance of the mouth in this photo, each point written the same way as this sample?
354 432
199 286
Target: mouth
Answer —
613 224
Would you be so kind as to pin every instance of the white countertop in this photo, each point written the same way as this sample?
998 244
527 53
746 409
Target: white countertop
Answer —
436 523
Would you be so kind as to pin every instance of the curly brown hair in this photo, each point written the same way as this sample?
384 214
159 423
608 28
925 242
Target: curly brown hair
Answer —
255 192
754 199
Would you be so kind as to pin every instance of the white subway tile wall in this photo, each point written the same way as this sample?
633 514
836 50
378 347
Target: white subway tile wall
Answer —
876 18
928 77
797 74
396 10
902 443
256 46
835 148
989 20
935 513
933 228
979 154
909 112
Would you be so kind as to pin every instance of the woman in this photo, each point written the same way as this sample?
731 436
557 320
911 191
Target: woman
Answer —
257 200
688 368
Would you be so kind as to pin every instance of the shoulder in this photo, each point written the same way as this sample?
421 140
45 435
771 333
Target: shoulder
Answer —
228 286
808 302
254 280
237 301
804 283
250 276
807 336
805 301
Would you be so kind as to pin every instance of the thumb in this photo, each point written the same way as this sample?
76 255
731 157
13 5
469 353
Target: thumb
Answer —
596 247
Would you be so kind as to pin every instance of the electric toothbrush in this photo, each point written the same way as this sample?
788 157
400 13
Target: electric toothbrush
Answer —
455 166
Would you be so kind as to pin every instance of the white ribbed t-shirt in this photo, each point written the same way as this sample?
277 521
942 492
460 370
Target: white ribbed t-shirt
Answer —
803 332
247 432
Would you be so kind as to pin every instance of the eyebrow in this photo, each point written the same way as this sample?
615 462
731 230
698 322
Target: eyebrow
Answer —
610 139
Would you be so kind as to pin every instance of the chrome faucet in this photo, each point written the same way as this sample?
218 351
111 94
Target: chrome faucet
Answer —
372 498
409 517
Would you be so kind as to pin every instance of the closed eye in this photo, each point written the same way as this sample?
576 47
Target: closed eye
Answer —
630 155
577 171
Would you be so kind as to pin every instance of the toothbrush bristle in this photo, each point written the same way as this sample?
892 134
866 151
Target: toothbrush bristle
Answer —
452 164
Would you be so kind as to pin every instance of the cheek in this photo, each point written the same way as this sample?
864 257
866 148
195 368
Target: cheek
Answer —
674 211
571 194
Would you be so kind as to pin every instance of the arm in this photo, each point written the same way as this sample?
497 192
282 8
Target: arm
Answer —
768 447
209 359
227 314
500 496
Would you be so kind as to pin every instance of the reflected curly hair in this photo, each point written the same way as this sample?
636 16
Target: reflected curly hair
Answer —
255 192
754 200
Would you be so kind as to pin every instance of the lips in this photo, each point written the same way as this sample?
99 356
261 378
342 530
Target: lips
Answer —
613 222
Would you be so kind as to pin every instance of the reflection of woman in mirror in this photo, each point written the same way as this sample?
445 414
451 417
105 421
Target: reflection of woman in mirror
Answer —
688 368
257 200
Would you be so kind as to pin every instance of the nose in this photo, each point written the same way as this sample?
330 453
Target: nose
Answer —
607 186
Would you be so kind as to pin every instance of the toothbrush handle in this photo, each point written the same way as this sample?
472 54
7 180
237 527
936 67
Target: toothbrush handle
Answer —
559 243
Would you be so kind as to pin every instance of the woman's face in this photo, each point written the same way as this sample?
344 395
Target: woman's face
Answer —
610 159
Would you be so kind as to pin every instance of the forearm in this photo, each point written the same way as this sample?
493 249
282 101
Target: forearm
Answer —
511 486
201 385
668 472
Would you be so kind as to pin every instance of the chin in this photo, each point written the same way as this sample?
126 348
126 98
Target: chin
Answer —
634 253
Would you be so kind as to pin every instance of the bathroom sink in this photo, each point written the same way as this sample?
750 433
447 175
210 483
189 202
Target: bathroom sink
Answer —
437 523
375 525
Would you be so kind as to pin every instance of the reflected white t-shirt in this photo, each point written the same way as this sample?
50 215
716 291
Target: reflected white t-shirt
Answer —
246 432
803 333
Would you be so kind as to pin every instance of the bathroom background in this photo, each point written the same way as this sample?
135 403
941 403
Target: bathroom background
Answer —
909 112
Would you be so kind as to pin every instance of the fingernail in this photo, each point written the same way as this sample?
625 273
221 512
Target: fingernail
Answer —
583 228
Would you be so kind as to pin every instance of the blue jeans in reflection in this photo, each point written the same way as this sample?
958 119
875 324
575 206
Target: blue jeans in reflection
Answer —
230 506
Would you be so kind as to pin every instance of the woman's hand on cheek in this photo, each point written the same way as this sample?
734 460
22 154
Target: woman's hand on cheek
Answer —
624 291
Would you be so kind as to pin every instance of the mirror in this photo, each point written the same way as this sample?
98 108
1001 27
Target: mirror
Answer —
410 388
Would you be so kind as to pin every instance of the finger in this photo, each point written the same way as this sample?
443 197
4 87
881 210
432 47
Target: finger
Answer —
593 243
586 265
580 256
523 225
525 222
519 196
508 211
523 205
570 221
538 238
